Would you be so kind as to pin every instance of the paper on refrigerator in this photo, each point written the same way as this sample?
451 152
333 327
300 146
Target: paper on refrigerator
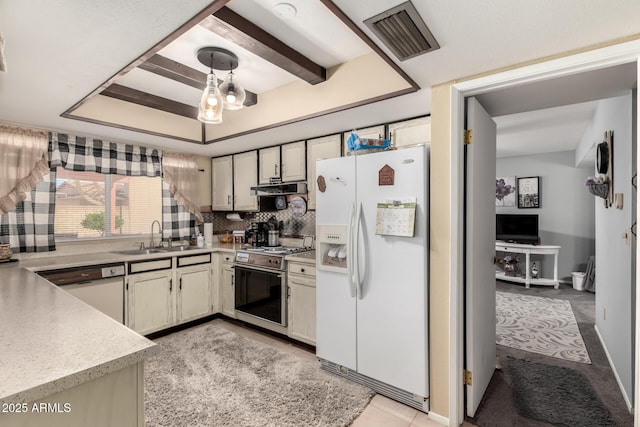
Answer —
396 217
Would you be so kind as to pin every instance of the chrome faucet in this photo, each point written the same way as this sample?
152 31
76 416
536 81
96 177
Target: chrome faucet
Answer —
153 243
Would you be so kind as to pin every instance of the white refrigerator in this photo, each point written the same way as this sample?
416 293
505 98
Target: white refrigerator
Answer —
372 271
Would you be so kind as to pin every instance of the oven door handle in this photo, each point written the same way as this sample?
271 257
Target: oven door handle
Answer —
280 274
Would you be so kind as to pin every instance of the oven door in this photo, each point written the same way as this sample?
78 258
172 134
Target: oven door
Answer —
261 293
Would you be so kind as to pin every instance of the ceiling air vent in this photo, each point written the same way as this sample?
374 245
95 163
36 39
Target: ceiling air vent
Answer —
403 31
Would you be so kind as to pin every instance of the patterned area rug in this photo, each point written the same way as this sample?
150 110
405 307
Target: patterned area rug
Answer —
210 376
539 325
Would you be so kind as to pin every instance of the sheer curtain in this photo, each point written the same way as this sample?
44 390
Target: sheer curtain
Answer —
23 164
180 173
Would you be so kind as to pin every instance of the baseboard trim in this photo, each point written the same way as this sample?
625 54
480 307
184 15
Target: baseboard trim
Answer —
615 373
438 418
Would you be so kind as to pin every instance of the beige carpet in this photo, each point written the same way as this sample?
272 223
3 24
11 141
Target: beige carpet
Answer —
539 325
209 376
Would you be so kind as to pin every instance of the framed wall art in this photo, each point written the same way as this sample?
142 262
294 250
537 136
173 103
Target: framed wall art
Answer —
506 191
529 192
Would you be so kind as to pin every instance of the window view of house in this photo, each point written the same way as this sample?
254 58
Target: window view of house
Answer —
94 205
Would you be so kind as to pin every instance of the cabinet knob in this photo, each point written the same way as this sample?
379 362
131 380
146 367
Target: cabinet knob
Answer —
302 270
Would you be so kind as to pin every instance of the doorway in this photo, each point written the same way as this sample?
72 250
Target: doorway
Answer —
566 212
552 71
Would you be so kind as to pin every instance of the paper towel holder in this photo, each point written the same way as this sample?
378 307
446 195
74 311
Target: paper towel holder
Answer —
234 216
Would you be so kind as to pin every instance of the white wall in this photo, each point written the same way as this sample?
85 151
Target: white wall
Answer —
567 213
614 315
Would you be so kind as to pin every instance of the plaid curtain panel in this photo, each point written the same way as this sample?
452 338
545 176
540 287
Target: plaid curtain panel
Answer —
177 222
30 227
94 155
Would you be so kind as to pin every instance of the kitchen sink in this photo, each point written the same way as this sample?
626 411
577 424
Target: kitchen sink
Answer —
142 251
181 248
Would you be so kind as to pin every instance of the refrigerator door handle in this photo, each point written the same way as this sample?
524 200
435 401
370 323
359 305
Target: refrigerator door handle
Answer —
350 258
356 251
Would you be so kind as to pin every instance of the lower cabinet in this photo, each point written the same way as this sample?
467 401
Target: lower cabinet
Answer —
195 299
150 301
301 294
167 292
227 286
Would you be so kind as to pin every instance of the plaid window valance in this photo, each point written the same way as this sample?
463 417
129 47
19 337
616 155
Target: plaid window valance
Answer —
94 155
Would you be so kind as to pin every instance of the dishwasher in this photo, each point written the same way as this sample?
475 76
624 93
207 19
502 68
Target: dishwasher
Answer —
101 286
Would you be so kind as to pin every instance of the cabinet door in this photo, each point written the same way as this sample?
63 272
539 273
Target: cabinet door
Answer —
194 293
245 176
151 301
326 147
222 183
302 309
294 161
228 294
410 132
269 164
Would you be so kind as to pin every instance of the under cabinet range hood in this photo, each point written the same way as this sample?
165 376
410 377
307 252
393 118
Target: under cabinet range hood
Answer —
279 189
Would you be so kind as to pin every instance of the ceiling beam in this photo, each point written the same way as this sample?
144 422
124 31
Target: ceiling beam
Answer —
173 70
241 32
207 11
124 93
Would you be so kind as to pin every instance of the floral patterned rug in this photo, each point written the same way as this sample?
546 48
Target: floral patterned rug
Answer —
539 325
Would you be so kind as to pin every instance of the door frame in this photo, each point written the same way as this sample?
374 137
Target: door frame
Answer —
618 54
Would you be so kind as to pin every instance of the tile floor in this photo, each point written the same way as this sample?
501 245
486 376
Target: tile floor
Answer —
381 411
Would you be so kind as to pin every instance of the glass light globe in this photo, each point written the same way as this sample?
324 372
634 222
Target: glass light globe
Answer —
211 102
233 93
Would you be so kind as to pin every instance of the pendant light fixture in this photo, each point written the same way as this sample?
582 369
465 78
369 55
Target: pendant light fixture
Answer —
233 94
229 95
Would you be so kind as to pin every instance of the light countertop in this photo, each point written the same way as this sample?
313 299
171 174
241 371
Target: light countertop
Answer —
50 341
303 257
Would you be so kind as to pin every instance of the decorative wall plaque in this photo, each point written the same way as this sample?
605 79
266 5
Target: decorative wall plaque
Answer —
322 184
386 175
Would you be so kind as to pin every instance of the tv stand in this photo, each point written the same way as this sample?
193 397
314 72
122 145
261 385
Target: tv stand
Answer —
521 248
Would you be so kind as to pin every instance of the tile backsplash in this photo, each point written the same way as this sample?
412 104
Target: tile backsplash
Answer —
292 225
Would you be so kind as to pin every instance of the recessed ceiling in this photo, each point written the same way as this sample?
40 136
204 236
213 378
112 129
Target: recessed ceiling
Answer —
284 85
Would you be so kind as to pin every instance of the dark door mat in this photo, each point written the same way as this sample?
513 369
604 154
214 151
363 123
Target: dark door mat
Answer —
555 395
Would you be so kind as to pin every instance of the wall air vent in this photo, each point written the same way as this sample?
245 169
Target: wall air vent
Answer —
403 31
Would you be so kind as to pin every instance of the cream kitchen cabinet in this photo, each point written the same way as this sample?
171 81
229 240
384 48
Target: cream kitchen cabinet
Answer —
293 165
269 164
222 183
195 290
245 176
301 292
326 147
150 296
227 285
410 132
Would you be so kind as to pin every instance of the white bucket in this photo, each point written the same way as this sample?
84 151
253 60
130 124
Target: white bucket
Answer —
578 280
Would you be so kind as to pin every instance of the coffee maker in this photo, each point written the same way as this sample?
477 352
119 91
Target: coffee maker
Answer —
257 234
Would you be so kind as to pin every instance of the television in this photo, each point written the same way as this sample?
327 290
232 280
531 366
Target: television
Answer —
517 228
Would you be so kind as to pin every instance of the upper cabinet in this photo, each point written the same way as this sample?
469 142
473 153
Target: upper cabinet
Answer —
222 183
410 132
293 165
326 147
269 164
373 132
245 176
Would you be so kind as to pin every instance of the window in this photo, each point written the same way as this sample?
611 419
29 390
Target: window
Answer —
92 205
